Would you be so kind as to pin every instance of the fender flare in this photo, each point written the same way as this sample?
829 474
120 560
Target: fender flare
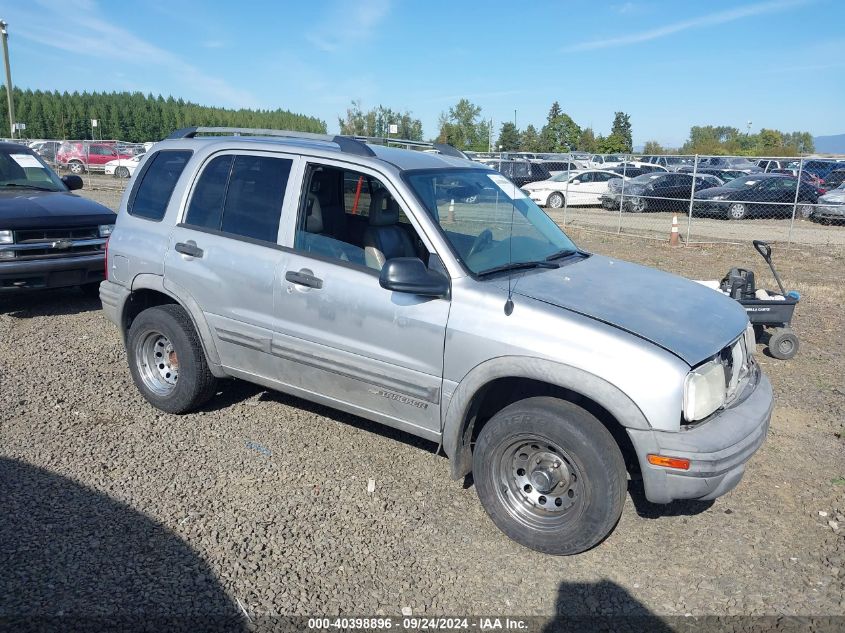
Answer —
149 281
456 440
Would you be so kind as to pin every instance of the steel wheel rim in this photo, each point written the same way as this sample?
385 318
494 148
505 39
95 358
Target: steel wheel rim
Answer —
555 201
737 211
638 205
157 363
806 210
535 492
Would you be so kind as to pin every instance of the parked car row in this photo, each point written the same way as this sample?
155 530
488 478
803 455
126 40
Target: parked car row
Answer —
115 158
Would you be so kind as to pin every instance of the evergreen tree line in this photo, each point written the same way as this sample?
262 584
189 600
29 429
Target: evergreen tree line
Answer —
133 117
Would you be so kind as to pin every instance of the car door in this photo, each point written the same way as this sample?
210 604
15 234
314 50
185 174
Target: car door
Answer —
224 254
598 186
344 339
579 188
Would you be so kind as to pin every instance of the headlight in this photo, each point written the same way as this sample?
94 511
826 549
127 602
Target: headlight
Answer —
704 390
5 237
721 196
750 340
106 229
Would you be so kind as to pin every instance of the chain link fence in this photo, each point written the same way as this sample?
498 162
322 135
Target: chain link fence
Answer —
709 199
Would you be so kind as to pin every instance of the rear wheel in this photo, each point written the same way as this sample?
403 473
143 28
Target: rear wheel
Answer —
76 167
783 344
167 361
550 475
737 211
122 172
555 201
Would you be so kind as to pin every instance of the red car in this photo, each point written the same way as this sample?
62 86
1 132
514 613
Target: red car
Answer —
81 156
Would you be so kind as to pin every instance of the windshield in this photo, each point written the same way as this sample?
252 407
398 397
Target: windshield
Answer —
741 183
644 178
488 221
562 176
27 171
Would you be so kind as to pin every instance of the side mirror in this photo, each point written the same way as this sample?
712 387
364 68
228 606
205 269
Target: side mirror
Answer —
409 274
72 182
576 182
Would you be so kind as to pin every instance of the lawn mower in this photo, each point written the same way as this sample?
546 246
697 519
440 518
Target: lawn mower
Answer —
765 308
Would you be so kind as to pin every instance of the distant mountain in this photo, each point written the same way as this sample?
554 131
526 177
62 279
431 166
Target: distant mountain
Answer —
834 144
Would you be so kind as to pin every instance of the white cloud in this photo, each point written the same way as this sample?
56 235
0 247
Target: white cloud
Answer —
712 19
345 24
79 29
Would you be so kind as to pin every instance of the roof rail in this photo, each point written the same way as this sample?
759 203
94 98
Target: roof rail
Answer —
345 143
443 148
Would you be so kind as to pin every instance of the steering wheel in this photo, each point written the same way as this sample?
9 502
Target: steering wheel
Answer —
483 241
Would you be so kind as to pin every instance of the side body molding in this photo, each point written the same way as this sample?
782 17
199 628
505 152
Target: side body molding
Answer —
456 438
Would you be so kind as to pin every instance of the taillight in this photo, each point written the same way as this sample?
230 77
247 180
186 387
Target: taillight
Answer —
106 261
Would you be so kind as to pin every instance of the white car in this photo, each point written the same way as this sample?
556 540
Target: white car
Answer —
123 167
603 161
583 188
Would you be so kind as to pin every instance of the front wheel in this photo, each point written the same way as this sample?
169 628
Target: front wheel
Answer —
555 201
637 205
167 361
806 211
550 475
737 211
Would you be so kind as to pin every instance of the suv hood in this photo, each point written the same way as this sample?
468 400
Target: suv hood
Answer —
31 209
685 318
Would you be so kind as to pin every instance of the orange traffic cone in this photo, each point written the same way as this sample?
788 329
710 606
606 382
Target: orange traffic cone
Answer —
674 236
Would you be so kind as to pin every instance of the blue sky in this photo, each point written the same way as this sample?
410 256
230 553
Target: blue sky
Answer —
669 64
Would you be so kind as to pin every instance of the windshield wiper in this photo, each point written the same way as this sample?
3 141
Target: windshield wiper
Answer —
517 266
566 252
37 188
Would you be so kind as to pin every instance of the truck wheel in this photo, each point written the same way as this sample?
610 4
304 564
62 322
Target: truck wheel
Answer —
783 344
549 475
167 361
76 167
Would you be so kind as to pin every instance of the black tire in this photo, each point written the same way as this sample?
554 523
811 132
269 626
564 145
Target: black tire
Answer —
637 205
193 384
737 211
783 344
555 201
122 172
591 483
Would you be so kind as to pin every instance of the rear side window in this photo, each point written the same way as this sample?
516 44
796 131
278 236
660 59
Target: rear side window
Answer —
156 183
241 195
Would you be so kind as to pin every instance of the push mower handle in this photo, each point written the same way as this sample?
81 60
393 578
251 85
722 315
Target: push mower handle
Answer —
763 248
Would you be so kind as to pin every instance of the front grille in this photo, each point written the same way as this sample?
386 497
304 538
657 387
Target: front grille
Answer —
58 242
33 236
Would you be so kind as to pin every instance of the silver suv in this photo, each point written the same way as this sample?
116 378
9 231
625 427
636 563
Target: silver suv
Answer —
428 293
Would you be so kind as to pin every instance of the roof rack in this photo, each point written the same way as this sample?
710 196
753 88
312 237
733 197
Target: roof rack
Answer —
345 143
348 144
443 148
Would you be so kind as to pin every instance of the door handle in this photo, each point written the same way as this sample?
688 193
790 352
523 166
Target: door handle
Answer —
188 248
303 278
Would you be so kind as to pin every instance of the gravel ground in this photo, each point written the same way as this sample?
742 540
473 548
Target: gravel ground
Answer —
260 501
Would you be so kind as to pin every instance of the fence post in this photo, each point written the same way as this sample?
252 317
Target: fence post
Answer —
566 189
691 198
795 203
622 197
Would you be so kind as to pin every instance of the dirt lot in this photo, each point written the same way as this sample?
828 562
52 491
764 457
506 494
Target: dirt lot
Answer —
259 501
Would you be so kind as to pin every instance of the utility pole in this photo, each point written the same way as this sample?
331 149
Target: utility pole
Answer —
5 34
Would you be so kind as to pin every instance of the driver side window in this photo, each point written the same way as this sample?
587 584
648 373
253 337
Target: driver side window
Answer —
352 217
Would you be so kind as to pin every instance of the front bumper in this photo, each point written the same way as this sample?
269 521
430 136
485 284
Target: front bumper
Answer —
717 449
829 212
712 207
56 272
